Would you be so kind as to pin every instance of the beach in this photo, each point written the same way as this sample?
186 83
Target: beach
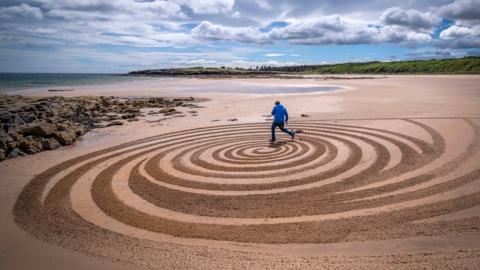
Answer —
385 175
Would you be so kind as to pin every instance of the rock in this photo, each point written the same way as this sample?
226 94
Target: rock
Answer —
78 130
64 137
49 143
114 123
30 146
304 115
132 110
100 119
29 108
133 119
12 145
7 128
4 140
42 106
27 117
113 117
232 120
128 115
6 117
16 136
167 110
40 129
15 153
2 155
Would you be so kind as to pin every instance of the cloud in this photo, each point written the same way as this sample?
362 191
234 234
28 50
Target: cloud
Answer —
23 11
429 53
461 9
455 32
208 6
321 31
209 31
158 9
410 18
312 28
340 31
464 43
274 54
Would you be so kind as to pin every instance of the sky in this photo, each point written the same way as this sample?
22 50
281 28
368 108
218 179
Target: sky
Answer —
117 36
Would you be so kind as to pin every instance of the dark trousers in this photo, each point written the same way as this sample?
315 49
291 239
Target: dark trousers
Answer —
282 128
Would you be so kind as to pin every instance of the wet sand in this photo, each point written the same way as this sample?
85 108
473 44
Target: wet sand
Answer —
385 176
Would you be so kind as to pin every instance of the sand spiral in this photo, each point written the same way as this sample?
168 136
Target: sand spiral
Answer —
339 182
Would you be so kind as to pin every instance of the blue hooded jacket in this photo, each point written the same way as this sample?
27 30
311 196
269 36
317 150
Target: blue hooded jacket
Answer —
280 114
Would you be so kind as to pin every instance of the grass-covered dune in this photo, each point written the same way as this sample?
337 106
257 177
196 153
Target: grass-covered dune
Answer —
466 65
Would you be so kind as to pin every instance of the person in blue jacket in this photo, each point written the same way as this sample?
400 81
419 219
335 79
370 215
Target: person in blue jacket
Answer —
280 118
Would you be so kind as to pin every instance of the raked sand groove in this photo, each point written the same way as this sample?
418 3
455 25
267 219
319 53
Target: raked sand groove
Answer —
223 192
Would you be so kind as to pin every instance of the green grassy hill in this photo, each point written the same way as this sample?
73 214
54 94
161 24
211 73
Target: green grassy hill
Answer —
466 65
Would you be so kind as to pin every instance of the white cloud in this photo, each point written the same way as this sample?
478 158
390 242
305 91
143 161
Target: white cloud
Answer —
23 11
410 18
337 30
312 28
273 54
455 31
209 31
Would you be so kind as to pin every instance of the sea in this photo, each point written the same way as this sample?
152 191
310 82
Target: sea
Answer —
20 81
12 82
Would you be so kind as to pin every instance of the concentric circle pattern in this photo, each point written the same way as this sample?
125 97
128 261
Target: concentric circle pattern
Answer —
338 182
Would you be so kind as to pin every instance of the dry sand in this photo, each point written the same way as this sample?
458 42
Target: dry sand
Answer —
386 175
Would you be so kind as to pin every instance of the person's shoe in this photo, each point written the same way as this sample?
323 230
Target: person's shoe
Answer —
273 140
293 135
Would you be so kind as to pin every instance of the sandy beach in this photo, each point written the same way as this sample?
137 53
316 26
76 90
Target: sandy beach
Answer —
385 176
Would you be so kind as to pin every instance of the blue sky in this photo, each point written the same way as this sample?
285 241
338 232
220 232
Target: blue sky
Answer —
91 36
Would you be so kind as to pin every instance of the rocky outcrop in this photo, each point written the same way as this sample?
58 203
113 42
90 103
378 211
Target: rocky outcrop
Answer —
29 125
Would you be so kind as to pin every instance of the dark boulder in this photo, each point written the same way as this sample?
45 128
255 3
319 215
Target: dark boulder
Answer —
64 137
4 140
15 153
6 117
128 116
30 146
49 143
40 129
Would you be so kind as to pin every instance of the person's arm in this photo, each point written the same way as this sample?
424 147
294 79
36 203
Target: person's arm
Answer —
273 110
286 115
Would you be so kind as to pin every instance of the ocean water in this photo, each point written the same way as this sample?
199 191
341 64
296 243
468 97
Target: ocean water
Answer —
20 81
12 82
